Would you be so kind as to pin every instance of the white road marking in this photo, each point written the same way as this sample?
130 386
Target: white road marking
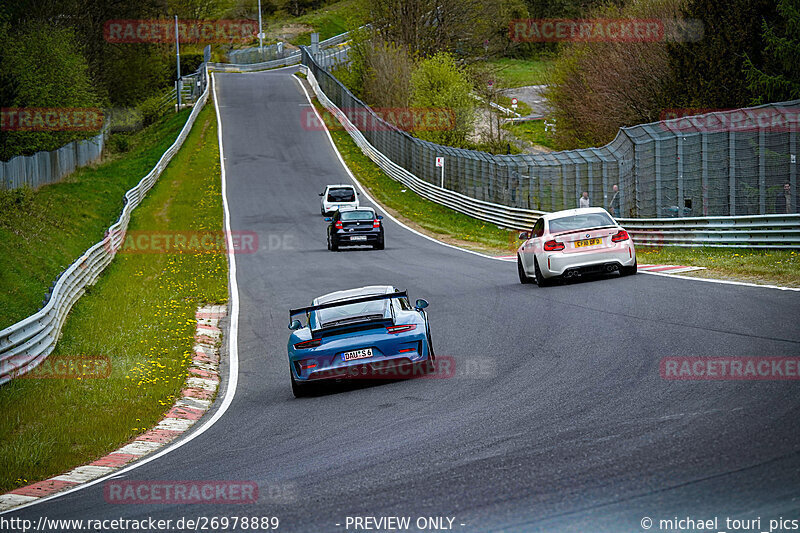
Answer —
233 345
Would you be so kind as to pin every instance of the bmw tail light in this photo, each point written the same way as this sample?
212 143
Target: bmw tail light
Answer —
620 236
553 246
313 343
338 225
400 328
376 223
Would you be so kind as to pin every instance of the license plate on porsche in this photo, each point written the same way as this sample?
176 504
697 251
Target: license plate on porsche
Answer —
358 238
352 355
588 242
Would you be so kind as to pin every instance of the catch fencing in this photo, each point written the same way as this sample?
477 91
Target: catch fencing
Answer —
27 343
513 190
717 164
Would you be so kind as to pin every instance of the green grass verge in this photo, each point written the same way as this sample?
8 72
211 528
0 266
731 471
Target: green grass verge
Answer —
531 132
779 267
771 267
522 72
140 315
42 232
436 220
328 21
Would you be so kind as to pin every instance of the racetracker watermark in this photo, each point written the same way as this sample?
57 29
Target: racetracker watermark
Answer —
62 367
51 119
784 119
181 242
180 492
189 31
605 30
443 367
730 368
383 119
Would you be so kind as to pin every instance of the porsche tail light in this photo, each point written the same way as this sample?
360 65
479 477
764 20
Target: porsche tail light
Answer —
400 328
621 235
313 343
553 246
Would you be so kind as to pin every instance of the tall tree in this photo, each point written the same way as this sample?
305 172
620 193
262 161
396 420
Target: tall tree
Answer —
709 72
778 78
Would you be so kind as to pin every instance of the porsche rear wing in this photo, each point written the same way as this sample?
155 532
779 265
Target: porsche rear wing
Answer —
340 303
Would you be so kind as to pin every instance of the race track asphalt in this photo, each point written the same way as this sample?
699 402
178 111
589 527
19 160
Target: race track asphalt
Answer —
556 417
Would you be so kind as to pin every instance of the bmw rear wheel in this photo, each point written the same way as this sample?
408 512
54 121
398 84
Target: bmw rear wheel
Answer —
523 277
540 281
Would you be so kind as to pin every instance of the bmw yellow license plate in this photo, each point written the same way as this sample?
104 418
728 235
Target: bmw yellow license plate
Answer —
587 242
363 353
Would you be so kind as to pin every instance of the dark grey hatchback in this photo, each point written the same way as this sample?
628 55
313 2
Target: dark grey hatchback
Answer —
355 227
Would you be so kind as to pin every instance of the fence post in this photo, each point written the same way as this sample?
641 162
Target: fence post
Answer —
762 178
793 167
680 176
732 172
658 176
704 174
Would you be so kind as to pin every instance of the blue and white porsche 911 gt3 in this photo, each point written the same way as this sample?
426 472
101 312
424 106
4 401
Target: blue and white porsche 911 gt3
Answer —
366 332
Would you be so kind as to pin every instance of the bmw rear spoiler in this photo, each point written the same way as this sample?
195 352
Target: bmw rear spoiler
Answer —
340 303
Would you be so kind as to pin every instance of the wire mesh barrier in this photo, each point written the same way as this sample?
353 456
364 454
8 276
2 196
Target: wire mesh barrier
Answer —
257 54
27 343
513 191
727 163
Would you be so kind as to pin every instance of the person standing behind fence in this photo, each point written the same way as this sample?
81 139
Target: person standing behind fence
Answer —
584 201
783 202
613 205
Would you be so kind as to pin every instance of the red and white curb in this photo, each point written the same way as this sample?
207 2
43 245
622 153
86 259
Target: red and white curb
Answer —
669 269
196 397
664 269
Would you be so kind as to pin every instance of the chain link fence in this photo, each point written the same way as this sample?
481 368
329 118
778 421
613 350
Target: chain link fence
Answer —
728 163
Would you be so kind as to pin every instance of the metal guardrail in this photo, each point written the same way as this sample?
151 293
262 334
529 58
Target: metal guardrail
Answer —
290 59
757 231
43 168
28 342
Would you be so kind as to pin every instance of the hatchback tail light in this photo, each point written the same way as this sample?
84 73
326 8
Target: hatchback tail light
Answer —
621 235
400 328
338 225
553 246
376 223
313 343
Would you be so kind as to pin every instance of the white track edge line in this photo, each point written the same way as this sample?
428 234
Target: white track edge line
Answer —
383 210
370 198
233 346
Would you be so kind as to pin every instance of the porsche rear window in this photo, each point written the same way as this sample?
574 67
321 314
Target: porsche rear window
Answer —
573 222
365 309
341 195
357 215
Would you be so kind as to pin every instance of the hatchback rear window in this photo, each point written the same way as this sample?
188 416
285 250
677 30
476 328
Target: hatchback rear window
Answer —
589 220
341 195
357 215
